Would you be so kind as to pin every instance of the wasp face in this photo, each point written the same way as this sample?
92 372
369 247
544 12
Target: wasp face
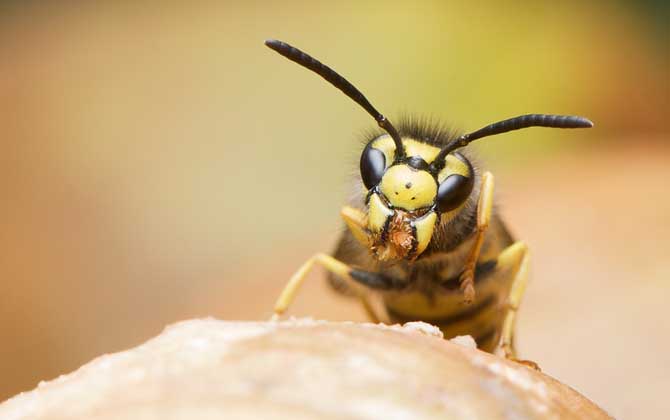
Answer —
406 197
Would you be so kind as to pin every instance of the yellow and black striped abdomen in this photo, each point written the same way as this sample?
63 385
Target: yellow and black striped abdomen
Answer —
440 301
445 308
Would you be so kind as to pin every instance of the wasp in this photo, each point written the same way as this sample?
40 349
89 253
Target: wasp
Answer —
423 234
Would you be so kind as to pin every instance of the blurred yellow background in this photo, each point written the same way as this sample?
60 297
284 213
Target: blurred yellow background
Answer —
153 154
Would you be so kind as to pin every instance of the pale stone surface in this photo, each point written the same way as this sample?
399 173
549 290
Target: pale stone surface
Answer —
300 369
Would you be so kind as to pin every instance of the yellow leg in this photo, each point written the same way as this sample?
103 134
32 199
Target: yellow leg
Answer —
484 205
356 222
336 267
369 309
516 259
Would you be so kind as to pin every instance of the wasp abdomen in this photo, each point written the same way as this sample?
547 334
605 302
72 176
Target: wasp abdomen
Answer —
444 308
440 302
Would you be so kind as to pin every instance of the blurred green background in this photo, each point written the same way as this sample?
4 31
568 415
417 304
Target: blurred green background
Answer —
159 163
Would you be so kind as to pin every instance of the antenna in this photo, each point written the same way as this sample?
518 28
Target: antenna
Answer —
342 84
516 123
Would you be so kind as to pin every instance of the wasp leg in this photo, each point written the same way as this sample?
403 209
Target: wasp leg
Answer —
515 258
484 204
347 249
336 267
356 222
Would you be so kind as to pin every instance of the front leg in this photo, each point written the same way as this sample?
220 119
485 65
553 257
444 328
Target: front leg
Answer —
515 260
336 267
353 277
356 222
484 205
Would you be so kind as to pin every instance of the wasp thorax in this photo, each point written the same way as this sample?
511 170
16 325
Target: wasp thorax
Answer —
408 188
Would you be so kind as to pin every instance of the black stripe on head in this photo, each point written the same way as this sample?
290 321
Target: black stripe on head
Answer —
417 162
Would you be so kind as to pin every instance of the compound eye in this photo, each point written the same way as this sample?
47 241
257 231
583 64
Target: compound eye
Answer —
453 191
373 165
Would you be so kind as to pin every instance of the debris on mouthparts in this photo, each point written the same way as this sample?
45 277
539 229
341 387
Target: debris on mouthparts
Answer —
400 240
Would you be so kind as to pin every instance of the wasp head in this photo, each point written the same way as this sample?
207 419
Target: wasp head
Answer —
408 192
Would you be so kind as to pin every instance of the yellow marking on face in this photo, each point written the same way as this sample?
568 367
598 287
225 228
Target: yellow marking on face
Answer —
413 148
453 166
408 188
377 214
386 145
417 148
424 231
